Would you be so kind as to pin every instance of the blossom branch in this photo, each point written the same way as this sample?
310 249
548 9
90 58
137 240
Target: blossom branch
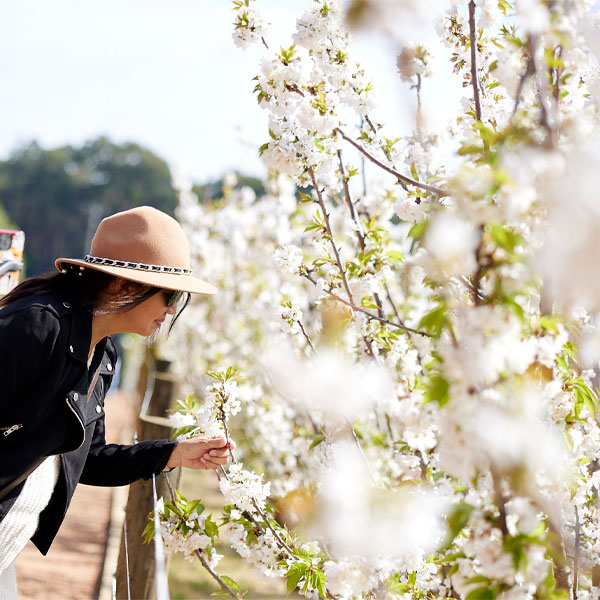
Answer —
473 43
254 503
305 335
359 235
338 260
500 503
529 71
362 453
199 554
483 262
366 312
216 577
576 555
401 178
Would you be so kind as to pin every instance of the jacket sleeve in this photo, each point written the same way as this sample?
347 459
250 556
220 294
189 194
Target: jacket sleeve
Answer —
27 340
118 464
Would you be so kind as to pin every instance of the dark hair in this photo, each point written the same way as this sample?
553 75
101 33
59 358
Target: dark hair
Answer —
86 286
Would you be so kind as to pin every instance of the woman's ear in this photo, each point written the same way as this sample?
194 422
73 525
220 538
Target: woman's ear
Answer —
120 287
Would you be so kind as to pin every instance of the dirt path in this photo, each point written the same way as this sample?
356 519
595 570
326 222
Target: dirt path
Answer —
73 566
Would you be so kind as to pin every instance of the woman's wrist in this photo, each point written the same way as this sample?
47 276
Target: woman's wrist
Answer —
174 461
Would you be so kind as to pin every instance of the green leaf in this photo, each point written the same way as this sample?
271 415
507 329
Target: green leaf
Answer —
211 528
418 229
549 323
231 583
318 582
584 396
366 302
148 532
479 579
437 389
456 521
395 255
503 236
317 439
413 171
433 322
482 593
294 575
185 430
194 505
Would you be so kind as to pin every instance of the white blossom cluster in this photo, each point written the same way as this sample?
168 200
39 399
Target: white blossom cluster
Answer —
185 532
410 382
245 488
249 26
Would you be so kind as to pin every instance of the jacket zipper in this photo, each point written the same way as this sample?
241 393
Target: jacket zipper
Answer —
80 422
8 430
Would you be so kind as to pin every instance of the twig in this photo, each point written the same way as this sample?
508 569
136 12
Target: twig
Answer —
338 260
576 556
499 498
402 178
544 108
305 335
216 577
379 305
364 456
254 503
279 539
224 423
366 312
389 297
529 71
556 74
359 235
481 266
169 486
473 42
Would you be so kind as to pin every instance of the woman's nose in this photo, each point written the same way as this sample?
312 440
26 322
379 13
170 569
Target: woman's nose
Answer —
172 309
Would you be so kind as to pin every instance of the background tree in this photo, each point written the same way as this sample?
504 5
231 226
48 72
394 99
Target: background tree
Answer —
59 196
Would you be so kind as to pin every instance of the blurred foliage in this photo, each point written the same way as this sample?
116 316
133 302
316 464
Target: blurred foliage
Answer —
214 189
5 221
59 196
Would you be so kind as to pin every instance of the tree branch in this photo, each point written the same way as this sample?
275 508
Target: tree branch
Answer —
529 71
338 260
359 235
401 178
216 577
473 43
366 312
362 453
305 335
576 556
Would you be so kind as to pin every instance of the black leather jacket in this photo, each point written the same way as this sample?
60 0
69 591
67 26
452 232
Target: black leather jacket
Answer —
45 408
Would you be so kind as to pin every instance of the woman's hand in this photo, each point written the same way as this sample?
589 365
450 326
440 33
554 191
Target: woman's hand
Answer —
201 452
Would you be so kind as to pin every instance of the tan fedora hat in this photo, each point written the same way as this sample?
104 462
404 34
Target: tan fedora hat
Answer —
144 245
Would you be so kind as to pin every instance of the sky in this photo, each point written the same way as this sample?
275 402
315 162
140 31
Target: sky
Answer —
167 75
164 74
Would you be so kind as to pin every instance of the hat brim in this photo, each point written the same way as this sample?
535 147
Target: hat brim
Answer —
168 281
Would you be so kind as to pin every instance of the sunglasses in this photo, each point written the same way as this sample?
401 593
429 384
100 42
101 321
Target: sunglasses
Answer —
172 297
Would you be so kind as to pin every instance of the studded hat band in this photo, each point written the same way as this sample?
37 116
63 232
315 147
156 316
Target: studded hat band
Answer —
109 262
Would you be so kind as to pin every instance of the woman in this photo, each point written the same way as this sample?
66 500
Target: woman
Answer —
56 364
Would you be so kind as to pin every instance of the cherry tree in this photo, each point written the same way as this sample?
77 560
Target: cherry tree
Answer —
404 343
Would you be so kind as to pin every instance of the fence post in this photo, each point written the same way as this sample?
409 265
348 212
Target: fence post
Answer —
152 424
